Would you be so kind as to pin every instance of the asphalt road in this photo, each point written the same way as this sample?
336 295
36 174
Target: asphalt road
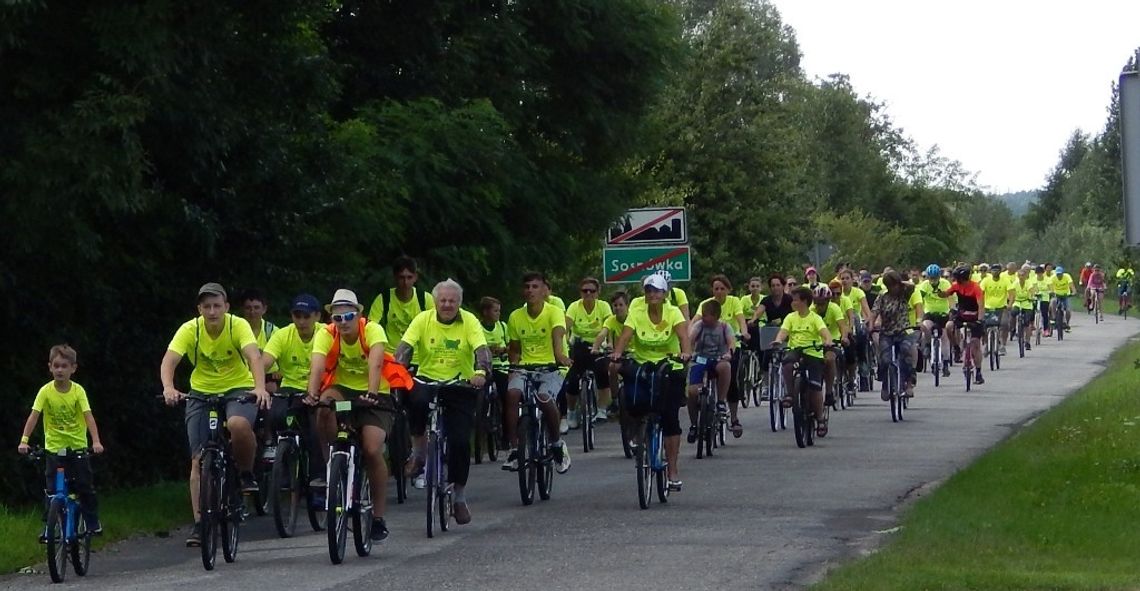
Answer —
761 514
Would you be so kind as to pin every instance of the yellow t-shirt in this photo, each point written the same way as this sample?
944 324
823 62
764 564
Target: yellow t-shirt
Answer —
586 325
653 342
932 303
535 334
64 423
400 314
614 328
219 365
1063 285
912 313
679 298
1044 285
352 366
1024 293
729 310
997 292
496 336
831 318
749 305
292 355
804 331
449 349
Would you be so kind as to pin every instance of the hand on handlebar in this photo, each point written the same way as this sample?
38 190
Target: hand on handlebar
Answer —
24 448
172 396
263 398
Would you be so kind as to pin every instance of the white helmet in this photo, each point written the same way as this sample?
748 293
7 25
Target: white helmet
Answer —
666 275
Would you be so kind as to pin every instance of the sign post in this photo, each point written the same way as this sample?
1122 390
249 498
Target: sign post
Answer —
646 240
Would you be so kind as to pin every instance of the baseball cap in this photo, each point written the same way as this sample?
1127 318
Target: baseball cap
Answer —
865 277
344 297
811 270
305 303
212 289
655 281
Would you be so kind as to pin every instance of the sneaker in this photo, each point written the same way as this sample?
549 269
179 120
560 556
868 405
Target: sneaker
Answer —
248 482
721 410
318 482
563 427
419 481
561 456
93 526
829 399
512 463
692 438
379 530
195 538
600 416
1027 347
44 534
572 420
945 370
978 379
885 395
613 409
462 513
1001 350
675 485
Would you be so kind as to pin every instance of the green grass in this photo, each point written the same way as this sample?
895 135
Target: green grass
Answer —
124 513
1055 507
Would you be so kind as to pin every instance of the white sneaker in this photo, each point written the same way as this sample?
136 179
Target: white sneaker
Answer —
561 456
512 463
563 427
572 419
419 481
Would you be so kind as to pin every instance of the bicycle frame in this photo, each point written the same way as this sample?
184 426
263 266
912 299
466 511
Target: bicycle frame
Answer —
345 445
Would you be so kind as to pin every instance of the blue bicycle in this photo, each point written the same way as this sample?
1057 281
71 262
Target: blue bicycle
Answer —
66 534
649 452
440 494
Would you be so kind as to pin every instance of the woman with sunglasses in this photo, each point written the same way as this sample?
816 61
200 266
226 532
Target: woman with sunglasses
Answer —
585 318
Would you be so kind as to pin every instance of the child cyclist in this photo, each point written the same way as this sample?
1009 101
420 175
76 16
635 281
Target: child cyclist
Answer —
67 419
713 341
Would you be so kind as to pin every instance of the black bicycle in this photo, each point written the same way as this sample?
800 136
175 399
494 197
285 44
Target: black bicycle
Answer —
992 345
349 493
893 380
774 384
803 415
535 459
707 418
748 377
399 445
588 404
488 423
288 482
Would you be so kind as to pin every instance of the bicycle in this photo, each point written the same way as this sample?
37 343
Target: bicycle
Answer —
398 445
707 419
221 506
893 380
748 377
66 532
1037 324
1059 324
992 348
1098 305
588 404
1019 327
936 354
650 463
803 417
777 414
488 423
349 492
288 476
440 494
536 462
968 361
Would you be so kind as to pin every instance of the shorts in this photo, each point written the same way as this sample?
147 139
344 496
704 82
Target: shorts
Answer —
975 327
993 317
380 415
198 416
549 383
938 318
1123 288
813 365
1063 302
697 371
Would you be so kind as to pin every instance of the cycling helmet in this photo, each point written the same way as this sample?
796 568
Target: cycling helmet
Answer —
1088 264
933 270
1059 270
666 275
1040 268
995 267
821 292
961 273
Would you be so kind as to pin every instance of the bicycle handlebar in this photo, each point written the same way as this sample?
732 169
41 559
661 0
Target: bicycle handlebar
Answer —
534 368
243 398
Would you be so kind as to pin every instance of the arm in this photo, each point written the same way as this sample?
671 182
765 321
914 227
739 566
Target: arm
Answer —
29 426
623 342
744 334
403 353
96 443
865 309
514 352
316 373
375 364
600 340
267 361
166 374
253 358
844 331
685 312
825 335
758 313
781 337
559 336
918 311
686 346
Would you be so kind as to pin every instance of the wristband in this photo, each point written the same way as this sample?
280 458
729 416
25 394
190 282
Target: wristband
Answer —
480 372
24 439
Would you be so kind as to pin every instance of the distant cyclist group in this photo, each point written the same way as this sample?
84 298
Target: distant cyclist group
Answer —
325 414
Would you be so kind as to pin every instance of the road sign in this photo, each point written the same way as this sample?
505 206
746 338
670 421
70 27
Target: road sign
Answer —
651 225
631 264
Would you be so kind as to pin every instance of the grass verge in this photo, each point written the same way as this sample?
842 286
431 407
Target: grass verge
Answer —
1055 507
124 513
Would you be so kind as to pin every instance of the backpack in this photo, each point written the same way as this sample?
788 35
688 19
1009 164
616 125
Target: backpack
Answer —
643 394
198 337
418 294
392 372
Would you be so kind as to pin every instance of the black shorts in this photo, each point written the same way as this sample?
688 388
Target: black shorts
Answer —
975 326
938 318
813 365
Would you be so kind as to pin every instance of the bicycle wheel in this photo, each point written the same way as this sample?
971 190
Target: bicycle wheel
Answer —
479 429
641 465
1059 324
314 509
936 358
285 489
894 387
585 417
56 542
432 481
336 516
775 400
744 377
398 453
1037 328
528 465
81 547
708 422
229 518
495 430
544 464
444 506
1020 336
362 514
658 463
992 348
209 506
263 469
799 417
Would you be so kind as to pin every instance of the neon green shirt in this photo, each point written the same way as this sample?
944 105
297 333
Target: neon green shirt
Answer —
535 334
219 365
586 325
292 355
64 423
653 342
997 292
352 366
805 330
448 349
932 303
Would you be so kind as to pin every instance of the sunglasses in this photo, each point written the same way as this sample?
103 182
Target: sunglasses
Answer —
589 290
346 317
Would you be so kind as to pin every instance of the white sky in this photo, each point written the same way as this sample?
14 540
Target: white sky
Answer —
999 85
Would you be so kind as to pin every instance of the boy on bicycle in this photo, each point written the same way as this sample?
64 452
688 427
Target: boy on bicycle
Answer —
67 419
713 341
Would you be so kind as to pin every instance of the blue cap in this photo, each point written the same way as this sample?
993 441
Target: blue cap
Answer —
306 303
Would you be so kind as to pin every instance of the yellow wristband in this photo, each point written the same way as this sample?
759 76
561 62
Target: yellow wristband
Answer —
24 439
480 372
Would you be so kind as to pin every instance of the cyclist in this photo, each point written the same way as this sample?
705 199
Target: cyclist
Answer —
776 305
836 321
854 324
734 316
290 349
67 419
970 305
999 300
1096 285
937 310
867 284
395 311
1044 296
495 333
811 278
1124 278
677 296
349 363
584 318
607 338
656 331
1024 298
897 308
856 294
253 309
749 304
453 345
549 297
537 335
226 361
714 341
805 328
1063 287
1083 282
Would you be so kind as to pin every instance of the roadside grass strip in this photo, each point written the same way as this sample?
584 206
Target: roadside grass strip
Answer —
1056 506
152 510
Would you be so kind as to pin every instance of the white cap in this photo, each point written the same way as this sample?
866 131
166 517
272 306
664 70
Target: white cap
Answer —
345 297
655 281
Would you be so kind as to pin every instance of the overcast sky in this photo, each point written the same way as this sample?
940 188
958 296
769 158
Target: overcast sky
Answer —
999 85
